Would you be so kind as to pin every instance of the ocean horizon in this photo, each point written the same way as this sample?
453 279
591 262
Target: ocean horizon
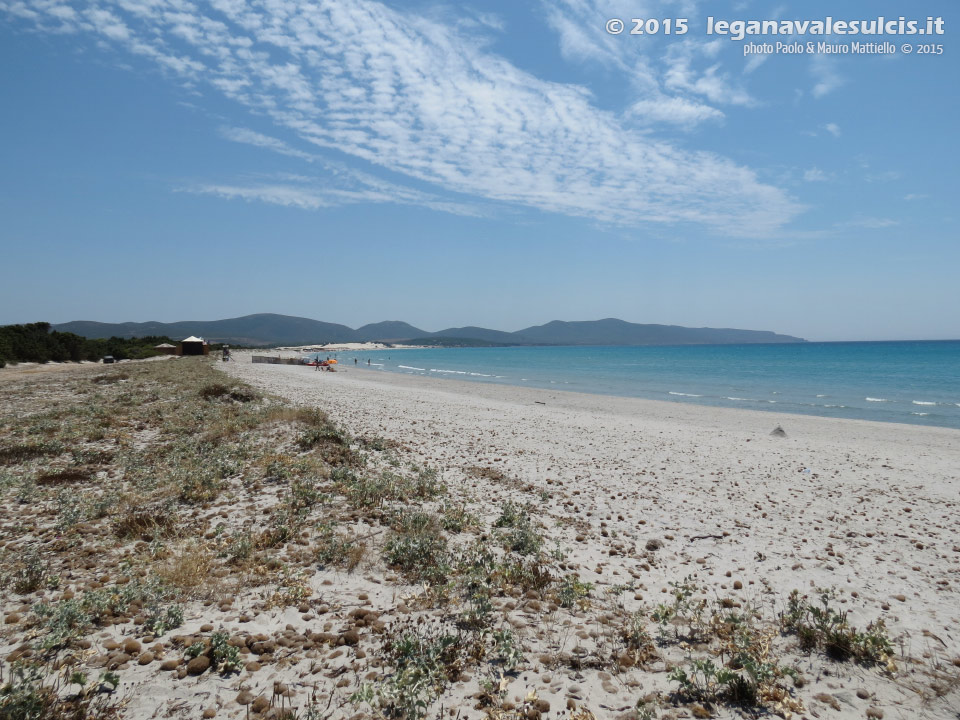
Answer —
915 382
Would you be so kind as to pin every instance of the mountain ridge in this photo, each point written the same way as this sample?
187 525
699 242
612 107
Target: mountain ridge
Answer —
274 329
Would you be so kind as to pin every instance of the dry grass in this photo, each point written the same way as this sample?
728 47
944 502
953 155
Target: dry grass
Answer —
188 568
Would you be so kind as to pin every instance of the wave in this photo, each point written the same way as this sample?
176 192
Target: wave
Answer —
450 372
923 402
920 414
408 367
821 396
876 400
684 394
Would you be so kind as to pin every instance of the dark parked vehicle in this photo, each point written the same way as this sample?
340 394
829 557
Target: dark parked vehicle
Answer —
107 359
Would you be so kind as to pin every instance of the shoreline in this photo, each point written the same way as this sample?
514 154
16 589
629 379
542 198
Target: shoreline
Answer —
689 410
842 394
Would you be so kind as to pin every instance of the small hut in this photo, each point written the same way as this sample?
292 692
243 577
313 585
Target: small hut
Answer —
193 346
166 349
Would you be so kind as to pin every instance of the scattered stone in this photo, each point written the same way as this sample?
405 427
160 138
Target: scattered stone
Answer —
131 647
778 432
198 665
146 658
828 700
875 713
260 704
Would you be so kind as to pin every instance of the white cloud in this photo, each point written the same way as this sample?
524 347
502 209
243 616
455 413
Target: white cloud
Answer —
675 111
914 196
711 82
832 128
416 98
815 175
885 176
660 68
872 223
250 137
341 186
825 75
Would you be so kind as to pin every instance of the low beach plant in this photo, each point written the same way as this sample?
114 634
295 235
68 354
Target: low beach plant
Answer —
419 551
573 593
822 627
517 531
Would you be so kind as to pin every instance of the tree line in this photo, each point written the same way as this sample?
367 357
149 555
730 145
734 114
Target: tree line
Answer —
36 342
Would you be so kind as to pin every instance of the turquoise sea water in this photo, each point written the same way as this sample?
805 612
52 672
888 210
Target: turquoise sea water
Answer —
907 382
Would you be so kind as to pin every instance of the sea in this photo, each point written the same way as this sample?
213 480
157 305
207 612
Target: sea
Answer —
905 382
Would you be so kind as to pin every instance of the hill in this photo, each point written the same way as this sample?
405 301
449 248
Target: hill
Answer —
271 329
259 329
388 331
470 332
611 331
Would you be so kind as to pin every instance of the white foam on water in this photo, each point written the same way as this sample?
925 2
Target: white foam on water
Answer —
449 372
479 375
409 367
684 394
876 399
923 402
821 396
921 414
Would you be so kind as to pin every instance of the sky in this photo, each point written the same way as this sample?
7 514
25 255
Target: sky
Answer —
488 163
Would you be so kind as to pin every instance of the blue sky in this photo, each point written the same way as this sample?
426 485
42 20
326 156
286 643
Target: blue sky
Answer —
489 163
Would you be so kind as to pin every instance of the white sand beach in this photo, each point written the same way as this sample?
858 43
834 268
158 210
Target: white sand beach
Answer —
644 493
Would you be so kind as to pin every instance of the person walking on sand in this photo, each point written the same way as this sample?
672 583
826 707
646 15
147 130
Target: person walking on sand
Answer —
354 361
